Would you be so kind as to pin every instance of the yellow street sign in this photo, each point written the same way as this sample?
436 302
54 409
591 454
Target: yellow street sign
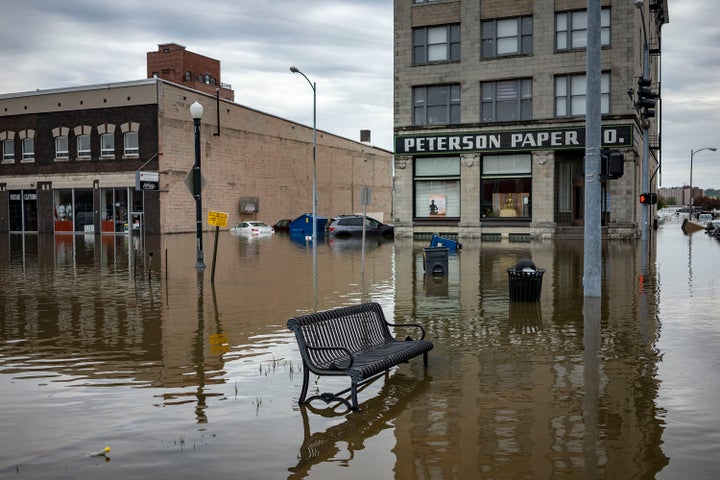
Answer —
217 219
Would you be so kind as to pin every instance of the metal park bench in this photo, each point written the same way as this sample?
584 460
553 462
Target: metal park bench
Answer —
354 341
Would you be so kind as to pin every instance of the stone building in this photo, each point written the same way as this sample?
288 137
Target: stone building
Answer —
114 157
489 115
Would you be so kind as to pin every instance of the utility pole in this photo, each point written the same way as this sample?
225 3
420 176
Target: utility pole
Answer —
593 145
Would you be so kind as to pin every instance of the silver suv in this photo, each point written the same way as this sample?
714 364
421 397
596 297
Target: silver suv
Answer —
352 225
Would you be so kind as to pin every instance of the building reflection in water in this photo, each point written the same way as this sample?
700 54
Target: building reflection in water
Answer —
513 389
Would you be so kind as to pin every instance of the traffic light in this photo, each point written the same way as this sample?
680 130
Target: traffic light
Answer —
647 198
646 98
613 164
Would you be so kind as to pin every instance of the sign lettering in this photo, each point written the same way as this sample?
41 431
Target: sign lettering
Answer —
443 143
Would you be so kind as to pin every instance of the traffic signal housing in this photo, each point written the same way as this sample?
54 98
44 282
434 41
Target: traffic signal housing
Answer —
612 164
646 98
647 198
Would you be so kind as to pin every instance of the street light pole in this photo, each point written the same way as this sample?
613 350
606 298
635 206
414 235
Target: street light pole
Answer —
314 161
692 154
196 112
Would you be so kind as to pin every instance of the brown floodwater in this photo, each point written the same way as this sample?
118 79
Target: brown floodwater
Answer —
117 341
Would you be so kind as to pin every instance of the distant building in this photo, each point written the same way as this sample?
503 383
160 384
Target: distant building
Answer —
489 118
113 158
682 194
173 63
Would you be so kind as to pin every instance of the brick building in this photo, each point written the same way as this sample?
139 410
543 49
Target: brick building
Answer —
72 159
490 115
172 62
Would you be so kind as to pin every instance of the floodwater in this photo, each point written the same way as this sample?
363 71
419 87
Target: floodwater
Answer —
116 341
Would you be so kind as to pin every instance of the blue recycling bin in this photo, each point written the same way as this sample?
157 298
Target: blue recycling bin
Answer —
302 225
451 245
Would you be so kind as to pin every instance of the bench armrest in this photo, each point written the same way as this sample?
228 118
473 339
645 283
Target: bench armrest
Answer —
349 354
408 325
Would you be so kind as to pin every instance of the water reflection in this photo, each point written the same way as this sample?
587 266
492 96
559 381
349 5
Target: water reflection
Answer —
101 341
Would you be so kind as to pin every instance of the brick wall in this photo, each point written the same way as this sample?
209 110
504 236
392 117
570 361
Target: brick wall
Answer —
260 155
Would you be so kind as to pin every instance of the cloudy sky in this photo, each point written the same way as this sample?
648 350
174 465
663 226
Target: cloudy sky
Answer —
344 46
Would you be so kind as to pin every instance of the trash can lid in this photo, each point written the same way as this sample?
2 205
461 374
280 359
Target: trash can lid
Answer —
525 265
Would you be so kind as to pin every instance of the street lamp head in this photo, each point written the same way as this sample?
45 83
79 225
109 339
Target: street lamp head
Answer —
639 3
294 69
712 149
196 110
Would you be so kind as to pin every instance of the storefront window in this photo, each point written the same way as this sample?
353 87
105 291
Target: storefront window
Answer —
63 204
506 186
437 187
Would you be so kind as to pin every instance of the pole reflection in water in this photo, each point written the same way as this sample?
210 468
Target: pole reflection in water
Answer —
94 352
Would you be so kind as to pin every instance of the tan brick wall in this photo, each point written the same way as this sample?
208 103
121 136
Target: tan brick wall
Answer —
260 155
623 61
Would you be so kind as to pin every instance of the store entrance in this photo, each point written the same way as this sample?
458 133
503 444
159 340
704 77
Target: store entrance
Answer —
23 211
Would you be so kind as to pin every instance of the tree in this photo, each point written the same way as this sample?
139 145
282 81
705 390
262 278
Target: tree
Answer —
707 203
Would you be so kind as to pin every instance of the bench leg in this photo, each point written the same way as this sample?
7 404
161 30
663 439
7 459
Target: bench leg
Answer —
306 380
353 394
425 357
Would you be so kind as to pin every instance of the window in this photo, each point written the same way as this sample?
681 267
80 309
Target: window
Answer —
506 186
437 187
436 44
28 148
570 93
8 150
131 144
107 145
510 36
61 147
571 29
436 105
83 146
423 1
507 100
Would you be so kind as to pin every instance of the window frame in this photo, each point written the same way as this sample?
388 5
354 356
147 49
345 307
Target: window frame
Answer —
28 148
523 103
421 44
490 40
82 152
62 152
422 106
8 154
512 174
437 177
106 152
130 151
572 39
572 98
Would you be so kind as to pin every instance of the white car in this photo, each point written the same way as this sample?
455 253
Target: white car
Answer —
252 228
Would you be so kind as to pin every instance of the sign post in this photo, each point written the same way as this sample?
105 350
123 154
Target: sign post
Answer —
217 220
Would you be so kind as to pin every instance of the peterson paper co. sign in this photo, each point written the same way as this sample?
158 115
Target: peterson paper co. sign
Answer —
508 140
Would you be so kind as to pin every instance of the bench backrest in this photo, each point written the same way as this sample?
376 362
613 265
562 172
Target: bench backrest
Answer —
355 328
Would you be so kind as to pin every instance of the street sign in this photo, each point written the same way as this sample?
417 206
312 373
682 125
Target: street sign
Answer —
190 182
217 219
365 196
147 180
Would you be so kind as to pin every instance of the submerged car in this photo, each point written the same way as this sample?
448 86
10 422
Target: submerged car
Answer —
352 225
252 228
282 225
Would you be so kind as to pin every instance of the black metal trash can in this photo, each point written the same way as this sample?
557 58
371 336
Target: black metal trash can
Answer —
525 281
435 260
